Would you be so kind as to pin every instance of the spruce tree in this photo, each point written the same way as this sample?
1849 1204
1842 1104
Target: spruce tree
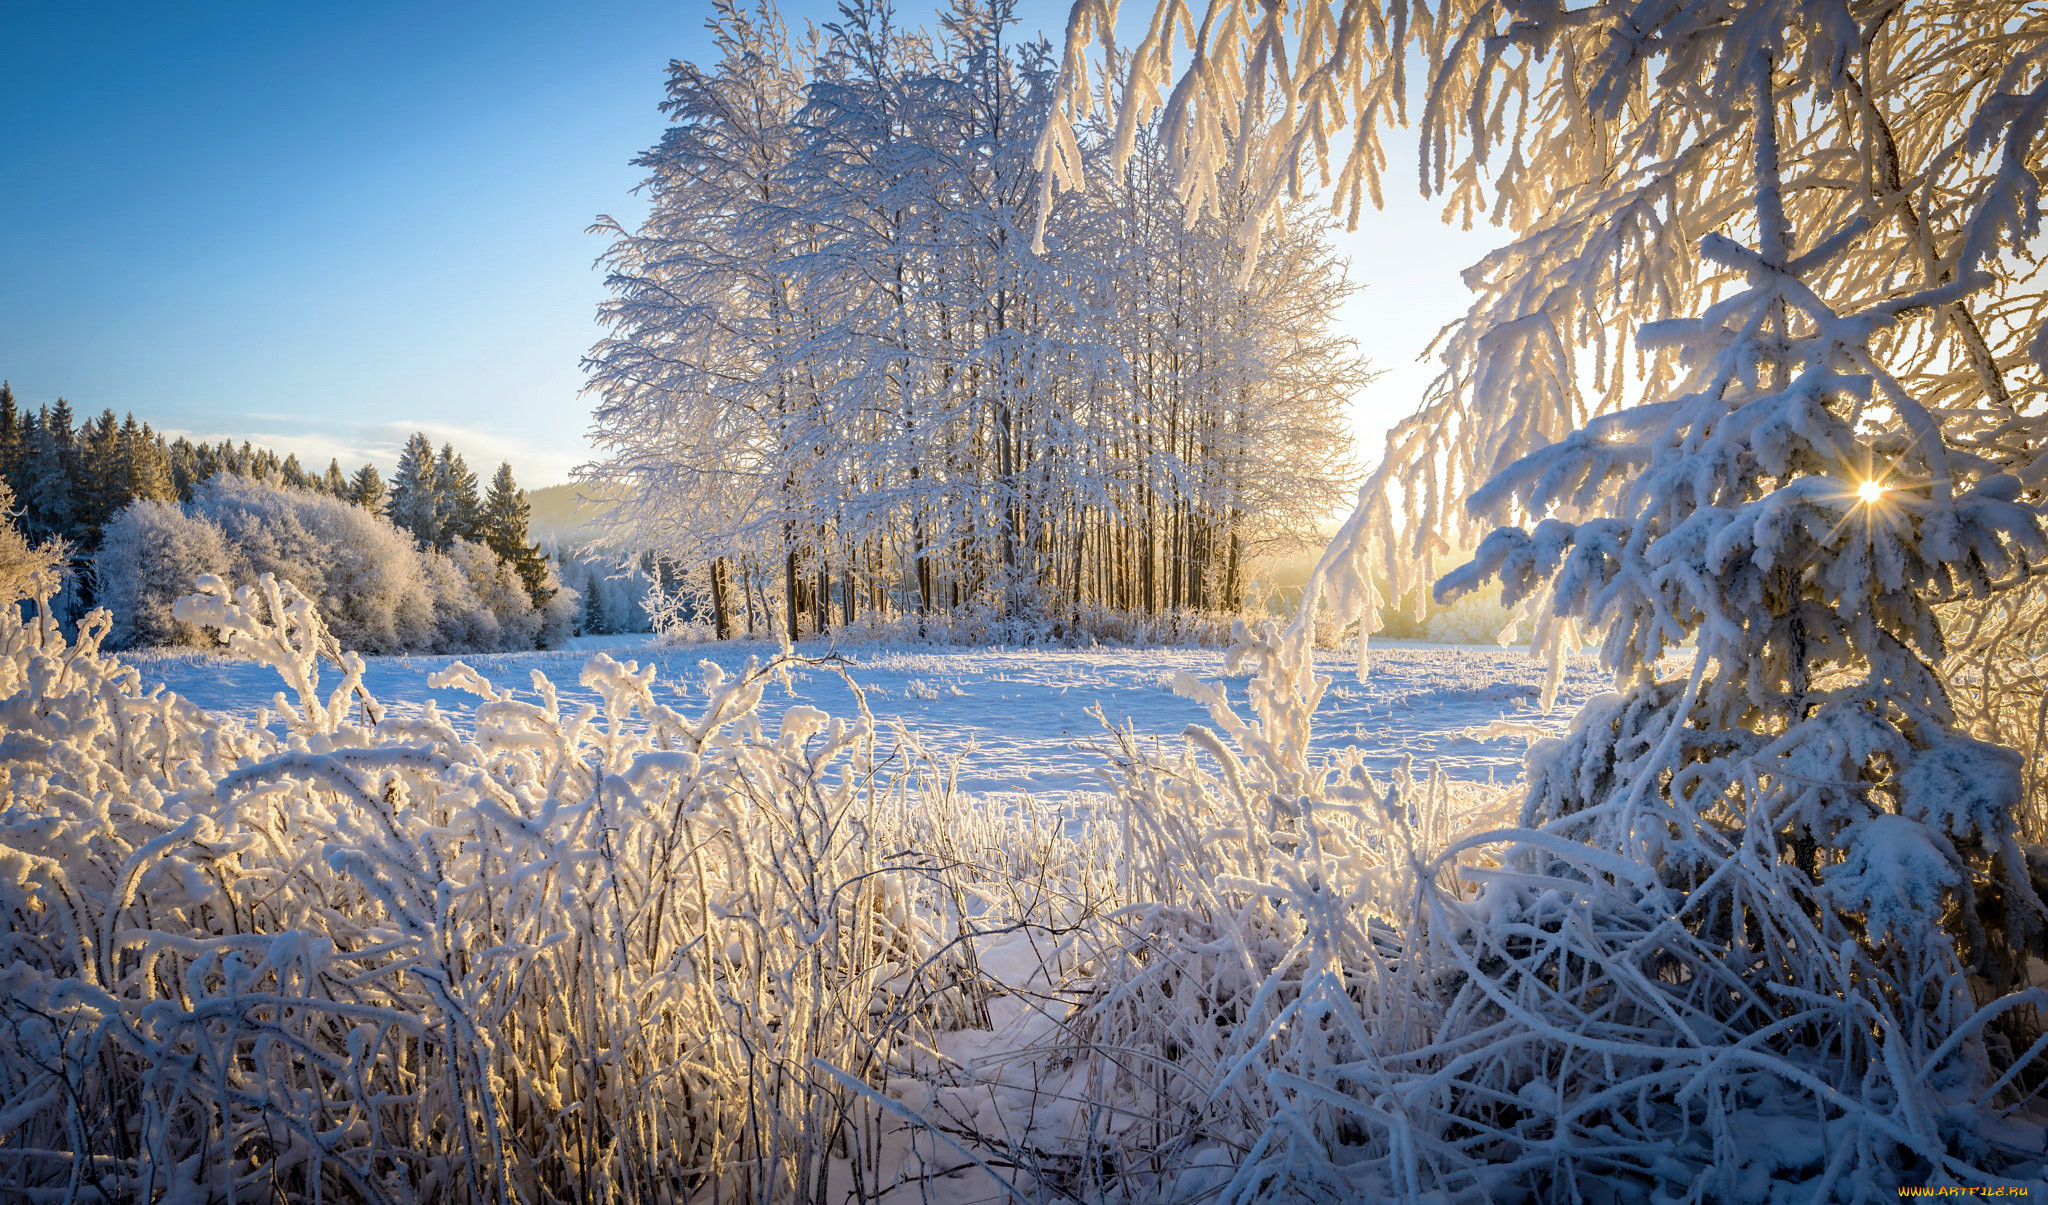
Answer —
504 530
334 482
458 510
146 463
10 435
100 485
190 464
294 475
366 489
413 506
46 489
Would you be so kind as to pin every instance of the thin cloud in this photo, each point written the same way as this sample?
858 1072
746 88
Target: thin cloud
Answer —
381 444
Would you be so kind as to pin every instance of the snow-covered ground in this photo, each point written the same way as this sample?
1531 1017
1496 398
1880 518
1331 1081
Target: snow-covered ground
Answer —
1019 718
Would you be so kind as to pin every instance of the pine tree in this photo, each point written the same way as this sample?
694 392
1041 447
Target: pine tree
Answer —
294 475
366 489
333 482
414 505
504 530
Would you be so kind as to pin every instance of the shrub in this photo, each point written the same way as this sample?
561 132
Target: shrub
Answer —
611 953
150 555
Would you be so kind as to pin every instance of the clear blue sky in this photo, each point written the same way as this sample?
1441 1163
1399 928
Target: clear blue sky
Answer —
323 225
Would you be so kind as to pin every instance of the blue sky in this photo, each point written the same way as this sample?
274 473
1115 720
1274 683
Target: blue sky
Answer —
322 226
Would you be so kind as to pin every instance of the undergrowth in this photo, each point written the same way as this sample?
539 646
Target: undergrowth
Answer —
616 952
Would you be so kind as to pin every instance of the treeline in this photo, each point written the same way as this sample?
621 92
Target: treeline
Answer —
841 381
426 562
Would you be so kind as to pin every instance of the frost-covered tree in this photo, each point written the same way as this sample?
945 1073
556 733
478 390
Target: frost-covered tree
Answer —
46 484
840 383
364 571
386 592
149 557
414 505
458 509
26 570
502 615
704 316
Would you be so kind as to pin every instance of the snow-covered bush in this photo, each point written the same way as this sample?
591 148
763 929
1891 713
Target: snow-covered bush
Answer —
1321 987
1997 671
25 570
557 615
149 556
496 587
1476 618
531 952
384 592
367 577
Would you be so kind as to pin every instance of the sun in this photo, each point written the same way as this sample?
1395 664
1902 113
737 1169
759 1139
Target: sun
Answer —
1869 492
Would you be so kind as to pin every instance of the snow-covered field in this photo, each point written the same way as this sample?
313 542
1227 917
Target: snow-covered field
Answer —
1019 719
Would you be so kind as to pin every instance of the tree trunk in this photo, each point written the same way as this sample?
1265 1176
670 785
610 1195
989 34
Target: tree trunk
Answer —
721 598
790 587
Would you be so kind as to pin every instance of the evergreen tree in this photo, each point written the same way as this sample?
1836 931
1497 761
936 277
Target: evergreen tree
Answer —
334 482
146 462
413 505
190 464
504 531
458 510
51 508
294 475
366 489
10 434
100 485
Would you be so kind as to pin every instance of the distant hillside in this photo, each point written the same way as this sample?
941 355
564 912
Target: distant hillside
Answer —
560 515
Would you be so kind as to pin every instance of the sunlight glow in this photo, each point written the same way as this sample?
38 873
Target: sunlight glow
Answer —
1869 492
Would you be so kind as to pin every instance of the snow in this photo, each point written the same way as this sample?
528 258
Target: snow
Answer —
1019 719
